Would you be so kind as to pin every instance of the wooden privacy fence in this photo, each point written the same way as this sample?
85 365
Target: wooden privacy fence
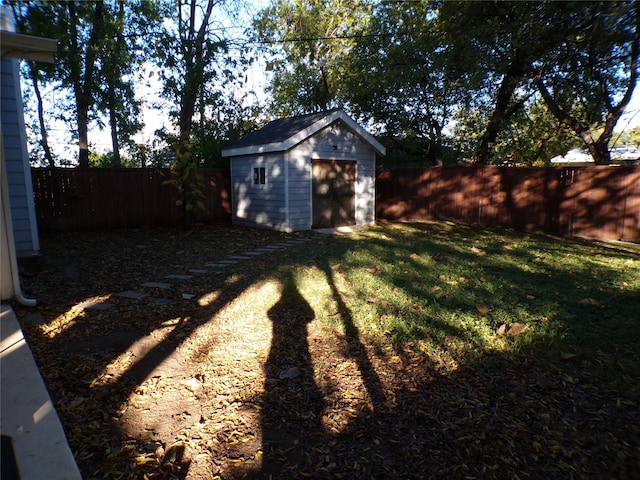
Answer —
596 202
81 199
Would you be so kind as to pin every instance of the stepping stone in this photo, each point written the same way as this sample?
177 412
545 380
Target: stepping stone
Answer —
222 262
95 305
34 319
268 249
132 294
254 253
156 285
175 276
198 270
217 265
299 241
163 301
240 257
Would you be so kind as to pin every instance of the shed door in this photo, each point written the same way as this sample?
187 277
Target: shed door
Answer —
334 193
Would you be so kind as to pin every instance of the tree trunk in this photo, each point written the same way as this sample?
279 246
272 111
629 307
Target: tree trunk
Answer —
599 150
83 84
43 128
194 64
83 129
503 110
113 121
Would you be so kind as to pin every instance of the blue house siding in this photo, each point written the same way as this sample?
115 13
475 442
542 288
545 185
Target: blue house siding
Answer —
16 160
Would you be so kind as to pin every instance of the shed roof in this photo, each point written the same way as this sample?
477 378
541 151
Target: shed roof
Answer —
284 134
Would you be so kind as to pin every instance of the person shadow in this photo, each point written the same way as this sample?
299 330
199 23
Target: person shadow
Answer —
293 403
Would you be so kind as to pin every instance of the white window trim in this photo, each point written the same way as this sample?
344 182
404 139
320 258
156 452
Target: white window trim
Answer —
265 178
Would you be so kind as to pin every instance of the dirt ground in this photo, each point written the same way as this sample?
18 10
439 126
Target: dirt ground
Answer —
229 375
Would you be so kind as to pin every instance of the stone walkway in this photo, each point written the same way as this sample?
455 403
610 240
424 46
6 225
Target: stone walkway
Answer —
216 267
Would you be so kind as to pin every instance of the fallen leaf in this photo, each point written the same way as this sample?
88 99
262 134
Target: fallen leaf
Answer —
543 382
76 402
568 356
531 297
439 257
192 384
589 301
477 251
501 329
517 329
483 309
291 372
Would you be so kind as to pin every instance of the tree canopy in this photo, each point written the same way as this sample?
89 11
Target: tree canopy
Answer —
438 81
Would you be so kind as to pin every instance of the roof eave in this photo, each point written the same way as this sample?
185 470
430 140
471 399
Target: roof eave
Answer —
253 150
18 45
302 135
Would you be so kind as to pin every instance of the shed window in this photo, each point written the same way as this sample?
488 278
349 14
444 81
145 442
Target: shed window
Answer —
259 176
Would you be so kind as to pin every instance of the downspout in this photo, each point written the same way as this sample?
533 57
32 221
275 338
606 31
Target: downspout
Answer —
7 227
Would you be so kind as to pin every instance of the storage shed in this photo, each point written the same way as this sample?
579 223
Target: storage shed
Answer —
304 172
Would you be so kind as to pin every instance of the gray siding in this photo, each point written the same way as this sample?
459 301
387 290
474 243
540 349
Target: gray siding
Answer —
285 202
336 142
299 191
16 160
259 205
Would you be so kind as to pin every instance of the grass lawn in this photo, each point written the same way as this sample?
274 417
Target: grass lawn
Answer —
414 350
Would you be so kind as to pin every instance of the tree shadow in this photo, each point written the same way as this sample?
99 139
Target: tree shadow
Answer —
354 348
292 403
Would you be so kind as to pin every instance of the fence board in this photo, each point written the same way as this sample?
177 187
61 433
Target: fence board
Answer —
596 202
78 199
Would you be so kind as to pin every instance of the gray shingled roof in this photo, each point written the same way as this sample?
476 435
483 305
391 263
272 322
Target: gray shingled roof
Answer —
277 131
281 135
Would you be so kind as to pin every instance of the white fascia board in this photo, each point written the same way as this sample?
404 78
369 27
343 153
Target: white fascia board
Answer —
252 150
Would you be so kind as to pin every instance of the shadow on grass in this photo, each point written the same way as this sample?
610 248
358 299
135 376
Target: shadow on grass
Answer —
513 409
292 402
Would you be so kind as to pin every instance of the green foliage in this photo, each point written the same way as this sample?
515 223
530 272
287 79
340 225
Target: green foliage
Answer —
190 184
628 137
430 74
106 160
434 79
310 41
533 137
100 45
